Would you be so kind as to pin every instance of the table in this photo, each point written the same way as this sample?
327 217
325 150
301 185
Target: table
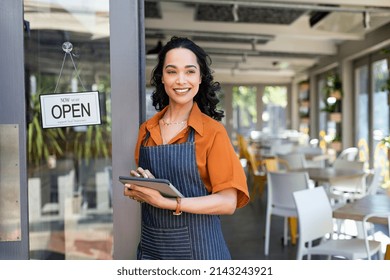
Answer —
328 173
359 208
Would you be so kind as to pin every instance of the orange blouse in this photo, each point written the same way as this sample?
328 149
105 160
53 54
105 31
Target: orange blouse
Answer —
218 164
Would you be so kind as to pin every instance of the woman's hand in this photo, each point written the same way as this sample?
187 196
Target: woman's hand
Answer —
140 172
148 195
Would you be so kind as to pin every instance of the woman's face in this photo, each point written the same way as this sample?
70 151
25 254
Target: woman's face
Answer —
181 76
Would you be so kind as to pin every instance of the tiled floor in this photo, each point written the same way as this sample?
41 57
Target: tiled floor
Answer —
244 234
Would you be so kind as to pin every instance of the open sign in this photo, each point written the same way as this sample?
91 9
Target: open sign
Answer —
70 109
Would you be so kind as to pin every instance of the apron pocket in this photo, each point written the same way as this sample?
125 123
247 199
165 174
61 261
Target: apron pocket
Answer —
165 243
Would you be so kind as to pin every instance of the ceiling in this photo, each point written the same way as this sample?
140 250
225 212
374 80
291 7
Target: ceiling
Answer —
252 41
263 41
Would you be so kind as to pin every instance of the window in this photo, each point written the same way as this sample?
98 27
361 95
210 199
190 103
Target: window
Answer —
274 114
244 109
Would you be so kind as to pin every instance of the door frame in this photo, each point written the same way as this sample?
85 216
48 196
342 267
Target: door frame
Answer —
13 111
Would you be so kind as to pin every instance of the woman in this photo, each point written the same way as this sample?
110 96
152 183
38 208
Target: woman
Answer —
185 143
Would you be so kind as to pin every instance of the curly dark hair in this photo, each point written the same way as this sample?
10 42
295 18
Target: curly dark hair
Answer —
206 98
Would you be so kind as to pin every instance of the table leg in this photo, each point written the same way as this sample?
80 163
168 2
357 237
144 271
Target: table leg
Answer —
387 254
293 222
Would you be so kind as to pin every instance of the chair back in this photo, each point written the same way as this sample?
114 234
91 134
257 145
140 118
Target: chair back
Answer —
281 186
309 150
350 154
347 164
295 160
270 164
315 218
242 146
349 188
314 156
366 230
373 181
281 148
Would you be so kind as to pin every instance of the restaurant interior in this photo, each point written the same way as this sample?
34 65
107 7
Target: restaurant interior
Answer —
306 89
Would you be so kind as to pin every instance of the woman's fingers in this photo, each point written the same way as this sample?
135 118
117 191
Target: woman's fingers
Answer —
140 172
149 174
135 173
130 191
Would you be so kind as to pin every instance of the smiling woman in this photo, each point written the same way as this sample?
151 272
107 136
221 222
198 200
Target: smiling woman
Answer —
185 144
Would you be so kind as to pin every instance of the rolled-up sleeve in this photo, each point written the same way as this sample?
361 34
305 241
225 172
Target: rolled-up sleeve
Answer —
224 168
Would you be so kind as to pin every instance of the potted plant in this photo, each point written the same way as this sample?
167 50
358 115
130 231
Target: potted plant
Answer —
336 143
329 107
387 51
337 87
92 143
333 86
42 144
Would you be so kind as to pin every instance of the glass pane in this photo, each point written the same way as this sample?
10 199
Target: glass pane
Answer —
380 75
381 106
361 80
321 104
244 109
69 168
274 115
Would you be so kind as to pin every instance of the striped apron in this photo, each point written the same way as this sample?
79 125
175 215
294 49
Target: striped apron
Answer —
188 236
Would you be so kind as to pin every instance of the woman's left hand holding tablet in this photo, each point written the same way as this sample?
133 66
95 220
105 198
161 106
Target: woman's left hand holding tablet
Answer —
142 194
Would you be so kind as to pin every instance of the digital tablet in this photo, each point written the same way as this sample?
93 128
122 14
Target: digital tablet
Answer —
162 185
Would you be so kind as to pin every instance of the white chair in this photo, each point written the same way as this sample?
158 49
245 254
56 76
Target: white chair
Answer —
295 160
315 222
280 202
367 227
314 156
347 189
279 147
350 154
373 180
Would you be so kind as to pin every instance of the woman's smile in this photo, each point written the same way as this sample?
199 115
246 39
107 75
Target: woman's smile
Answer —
182 90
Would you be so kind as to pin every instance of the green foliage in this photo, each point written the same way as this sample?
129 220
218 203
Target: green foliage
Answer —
386 141
332 84
275 95
386 86
329 108
337 138
41 143
245 98
95 142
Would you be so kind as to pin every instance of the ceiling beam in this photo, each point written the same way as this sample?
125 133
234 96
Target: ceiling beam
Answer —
329 6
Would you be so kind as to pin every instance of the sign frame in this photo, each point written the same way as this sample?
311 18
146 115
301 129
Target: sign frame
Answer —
70 109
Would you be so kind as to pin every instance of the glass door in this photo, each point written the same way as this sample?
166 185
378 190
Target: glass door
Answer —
67 50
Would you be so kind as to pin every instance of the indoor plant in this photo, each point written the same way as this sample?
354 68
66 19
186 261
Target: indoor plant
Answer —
41 143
